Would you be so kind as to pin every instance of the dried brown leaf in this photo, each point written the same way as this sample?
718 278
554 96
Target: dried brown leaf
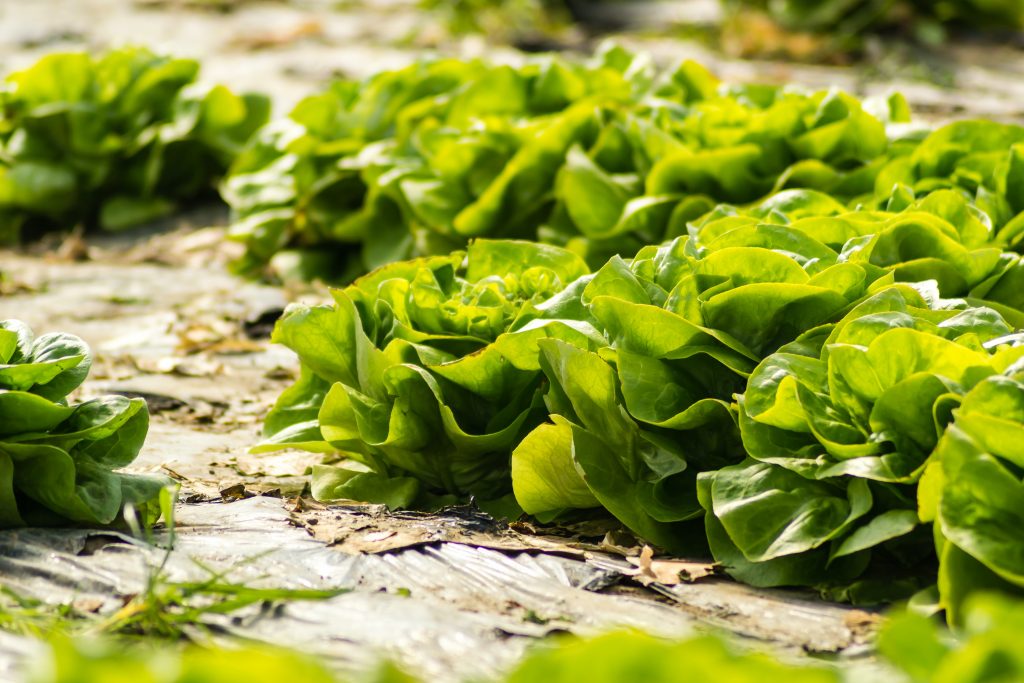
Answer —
669 572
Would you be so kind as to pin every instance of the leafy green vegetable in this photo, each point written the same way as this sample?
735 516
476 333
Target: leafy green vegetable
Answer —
981 160
602 158
618 657
839 428
972 490
59 462
93 662
113 141
512 21
425 372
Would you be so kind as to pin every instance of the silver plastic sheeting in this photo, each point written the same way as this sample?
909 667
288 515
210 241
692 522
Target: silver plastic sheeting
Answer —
449 611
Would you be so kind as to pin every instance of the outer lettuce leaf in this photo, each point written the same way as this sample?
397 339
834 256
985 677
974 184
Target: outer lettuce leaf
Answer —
545 478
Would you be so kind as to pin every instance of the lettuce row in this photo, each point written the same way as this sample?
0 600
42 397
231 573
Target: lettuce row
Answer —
774 382
601 158
113 141
59 461
684 326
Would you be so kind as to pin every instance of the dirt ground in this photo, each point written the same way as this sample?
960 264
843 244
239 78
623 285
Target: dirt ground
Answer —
450 595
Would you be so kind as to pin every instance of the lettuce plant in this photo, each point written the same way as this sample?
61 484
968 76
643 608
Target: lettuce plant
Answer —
59 461
942 236
972 488
424 374
981 160
838 428
683 328
113 141
685 324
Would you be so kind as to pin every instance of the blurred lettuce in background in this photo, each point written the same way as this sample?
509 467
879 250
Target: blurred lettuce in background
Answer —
113 141
857 16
